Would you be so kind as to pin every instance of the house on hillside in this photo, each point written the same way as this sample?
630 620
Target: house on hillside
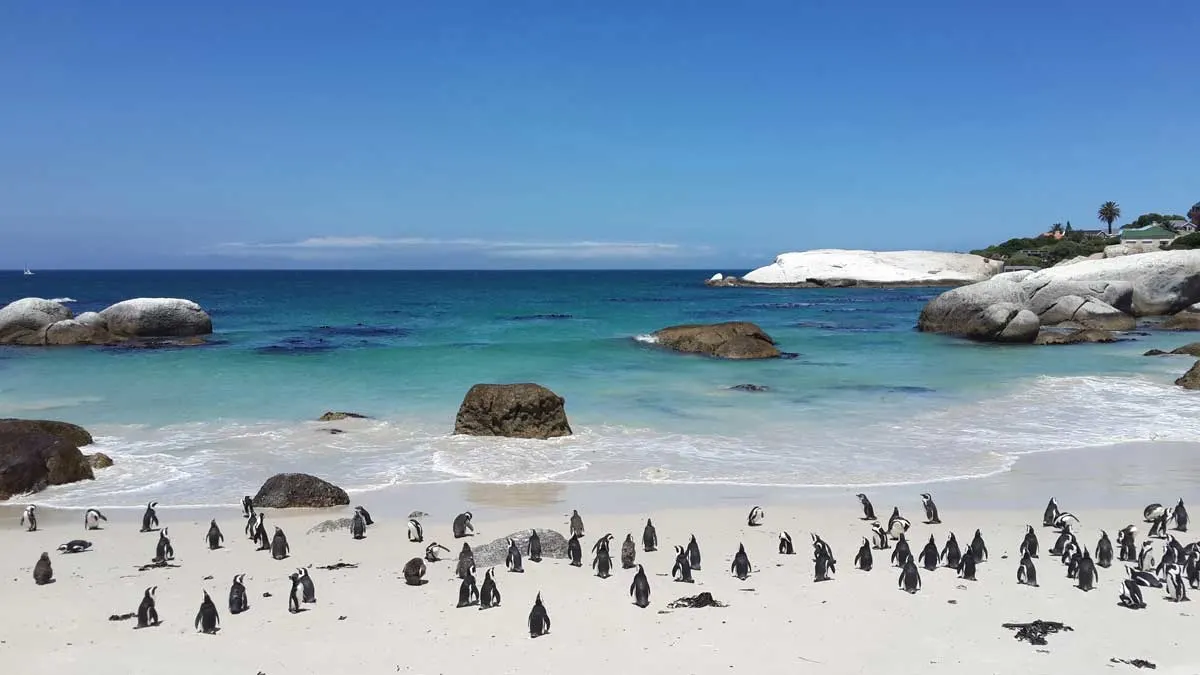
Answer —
1154 235
1181 226
1093 234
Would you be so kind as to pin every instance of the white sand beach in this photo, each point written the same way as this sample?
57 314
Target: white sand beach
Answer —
367 620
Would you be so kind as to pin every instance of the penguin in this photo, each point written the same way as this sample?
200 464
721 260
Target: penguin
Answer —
365 514
978 548
682 571
1085 575
252 527
929 555
1192 570
43 573
603 543
535 547
1125 540
1170 557
649 537
1104 550
1051 513
741 563
910 578
785 544
879 537
575 551
1181 516
92 518
207 618
863 559
903 553
29 518
966 566
951 553
931 511
294 594
756 517
1152 512
489 595
1065 522
163 551
628 552
260 534
576 524
640 588
433 552
306 584
1176 588
466 562
1131 595
513 560
147 613
1158 529
463 524
247 507
1029 545
416 533
602 563
1147 557
693 552
1060 544
1073 563
358 527
75 546
214 536
1141 578
414 571
867 508
897 525
279 545
539 620
468 592
238 600
1026 572
823 564
150 518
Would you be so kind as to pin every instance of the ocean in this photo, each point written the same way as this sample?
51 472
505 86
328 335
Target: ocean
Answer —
866 401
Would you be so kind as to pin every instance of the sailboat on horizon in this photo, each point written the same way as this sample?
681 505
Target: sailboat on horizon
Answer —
28 273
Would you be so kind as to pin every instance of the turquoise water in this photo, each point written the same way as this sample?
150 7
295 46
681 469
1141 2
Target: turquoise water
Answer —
866 399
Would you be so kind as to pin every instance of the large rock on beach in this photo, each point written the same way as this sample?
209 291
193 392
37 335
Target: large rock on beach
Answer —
32 460
24 321
1086 313
992 311
512 410
730 340
71 433
1190 379
1187 318
554 545
1163 282
156 317
299 490
840 268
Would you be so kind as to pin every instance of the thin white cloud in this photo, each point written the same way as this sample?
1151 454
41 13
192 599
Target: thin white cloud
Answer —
339 246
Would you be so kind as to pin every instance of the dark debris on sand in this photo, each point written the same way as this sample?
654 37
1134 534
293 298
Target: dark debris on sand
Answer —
1035 632
705 599
1136 663
122 617
338 566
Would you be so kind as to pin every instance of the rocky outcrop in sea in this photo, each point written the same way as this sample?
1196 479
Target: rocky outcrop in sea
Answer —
40 322
729 340
838 268
35 454
523 410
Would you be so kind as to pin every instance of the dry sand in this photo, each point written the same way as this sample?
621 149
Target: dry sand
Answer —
367 620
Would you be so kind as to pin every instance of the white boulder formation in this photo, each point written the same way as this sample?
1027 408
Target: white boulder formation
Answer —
838 267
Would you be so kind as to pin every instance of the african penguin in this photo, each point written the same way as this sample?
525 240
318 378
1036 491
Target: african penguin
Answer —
414 571
1158 529
978 548
1192 570
1060 544
147 612
756 517
306 584
1029 545
820 547
29 518
260 534
575 551
1085 575
252 526
433 552
682 570
929 555
1152 512
1128 547
214 536
1131 595
1073 561
649 537
416 533
535 547
247 506
902 554
785 544
693 553
207 618
1051 513
879 537
43 573
602 563
150 518
365 514
92 518
539 620
1066 522
163 551
466 562
1176 589
1148 556
863 559
741 563
640 588
603 543
966 566
868 509
931 511
468 592
897 525
294 594
239 601
513 560
489 595
1181 516
910 578
75 546
823 564
1104 550
358 526
628 552
576 524
279 545
1026 572
463 524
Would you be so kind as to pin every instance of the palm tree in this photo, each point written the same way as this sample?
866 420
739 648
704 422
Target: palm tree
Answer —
1056 228
1109 211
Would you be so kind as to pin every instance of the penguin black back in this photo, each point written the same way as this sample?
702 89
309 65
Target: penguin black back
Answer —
786 547
539 619
214 536
910 578
1051 513
468 592
489 594
693 552
414 571
1181 516
294 593
576 523
163 551
1026 572
575 551
1085 574
535 547
463 524
238 601
649 537
863 559
951 554
358 526
966 566
207 618
43 573
628 552
930 555
978 548
868 509
147 614
741 563
365 514
279 545
640 588
150 518
247 506
1030 543
602 563
682 570
902 553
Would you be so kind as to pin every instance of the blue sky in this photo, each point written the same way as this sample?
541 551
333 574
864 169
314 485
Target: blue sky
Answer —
564 133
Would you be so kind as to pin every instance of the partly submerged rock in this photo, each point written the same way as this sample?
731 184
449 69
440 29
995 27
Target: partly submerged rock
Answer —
71 433
24 321
99 460
523 410
1074 337
299 490
750 387
554 545
32 460
729 340
1187 318
1190 379
838 267
336 416
156 317
990 311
